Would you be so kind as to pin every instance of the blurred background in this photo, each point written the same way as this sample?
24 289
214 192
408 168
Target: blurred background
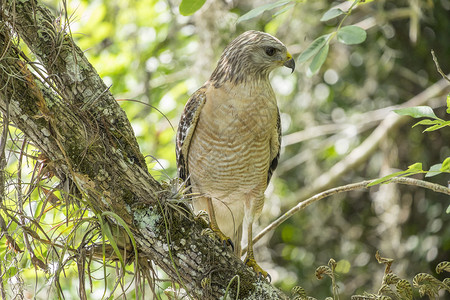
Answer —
150 54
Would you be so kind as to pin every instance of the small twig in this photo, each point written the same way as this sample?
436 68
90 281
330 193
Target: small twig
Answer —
438 67
342 189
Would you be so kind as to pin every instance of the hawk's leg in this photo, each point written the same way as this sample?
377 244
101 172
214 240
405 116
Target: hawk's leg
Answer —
250 258
214 227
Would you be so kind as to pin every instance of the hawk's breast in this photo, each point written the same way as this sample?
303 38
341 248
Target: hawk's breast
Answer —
229 154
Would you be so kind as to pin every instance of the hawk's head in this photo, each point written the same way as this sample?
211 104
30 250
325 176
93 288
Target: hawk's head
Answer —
252 55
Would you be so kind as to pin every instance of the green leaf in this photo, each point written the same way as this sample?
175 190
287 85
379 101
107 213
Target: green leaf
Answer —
331 14
426 122
386 178
438 126
318 60
188 7
412 169
445 165
417 167
259 10
351 35
417 112
312 49
448 210
434 170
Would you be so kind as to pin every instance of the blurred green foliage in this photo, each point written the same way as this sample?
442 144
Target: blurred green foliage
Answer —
153 58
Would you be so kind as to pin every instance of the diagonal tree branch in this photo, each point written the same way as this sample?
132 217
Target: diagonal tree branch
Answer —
70 115
343 189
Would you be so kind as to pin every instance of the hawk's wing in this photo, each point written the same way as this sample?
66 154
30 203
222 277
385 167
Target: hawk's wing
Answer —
186 129
275 149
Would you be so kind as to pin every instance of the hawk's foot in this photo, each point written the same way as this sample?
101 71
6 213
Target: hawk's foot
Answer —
251 262
226 241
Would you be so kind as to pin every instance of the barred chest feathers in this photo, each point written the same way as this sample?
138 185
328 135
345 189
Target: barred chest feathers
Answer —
233 140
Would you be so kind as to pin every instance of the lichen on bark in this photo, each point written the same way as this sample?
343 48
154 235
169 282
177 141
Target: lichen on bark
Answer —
71 116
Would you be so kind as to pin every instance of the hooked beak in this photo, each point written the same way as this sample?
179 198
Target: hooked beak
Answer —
290 63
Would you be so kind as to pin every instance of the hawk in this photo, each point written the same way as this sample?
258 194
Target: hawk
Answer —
229 136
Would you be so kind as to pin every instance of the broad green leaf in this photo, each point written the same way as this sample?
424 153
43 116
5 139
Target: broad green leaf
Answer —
445 165
448 210
312 49
417 112
259 10
188 7
434 170
439 126
331 14
318 59
351 35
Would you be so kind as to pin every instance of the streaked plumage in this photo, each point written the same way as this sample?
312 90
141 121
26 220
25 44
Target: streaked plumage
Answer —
228 139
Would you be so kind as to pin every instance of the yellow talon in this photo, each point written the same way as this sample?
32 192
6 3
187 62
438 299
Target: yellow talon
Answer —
223 238
251 262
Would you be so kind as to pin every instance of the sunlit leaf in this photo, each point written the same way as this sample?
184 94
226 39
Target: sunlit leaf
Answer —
332 13
312 49
426 122
445 165
438 126
434 170
417 167
412 169
417 112
188 7
260 9
351 35
318 59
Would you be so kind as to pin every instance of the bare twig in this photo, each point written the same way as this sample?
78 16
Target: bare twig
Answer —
342 189
438 67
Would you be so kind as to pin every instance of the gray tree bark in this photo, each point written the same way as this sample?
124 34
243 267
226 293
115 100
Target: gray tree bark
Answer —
71 116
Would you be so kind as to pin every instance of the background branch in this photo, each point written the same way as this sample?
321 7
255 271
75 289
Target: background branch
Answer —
343 189
370 144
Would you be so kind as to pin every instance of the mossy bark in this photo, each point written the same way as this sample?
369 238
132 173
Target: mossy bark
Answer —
71 116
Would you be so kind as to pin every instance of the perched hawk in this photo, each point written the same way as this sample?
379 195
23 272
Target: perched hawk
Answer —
228 139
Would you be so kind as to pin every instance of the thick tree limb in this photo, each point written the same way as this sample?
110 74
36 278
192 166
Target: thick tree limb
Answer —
71 116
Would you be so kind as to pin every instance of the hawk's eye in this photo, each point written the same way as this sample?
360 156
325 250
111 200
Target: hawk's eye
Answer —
270 51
